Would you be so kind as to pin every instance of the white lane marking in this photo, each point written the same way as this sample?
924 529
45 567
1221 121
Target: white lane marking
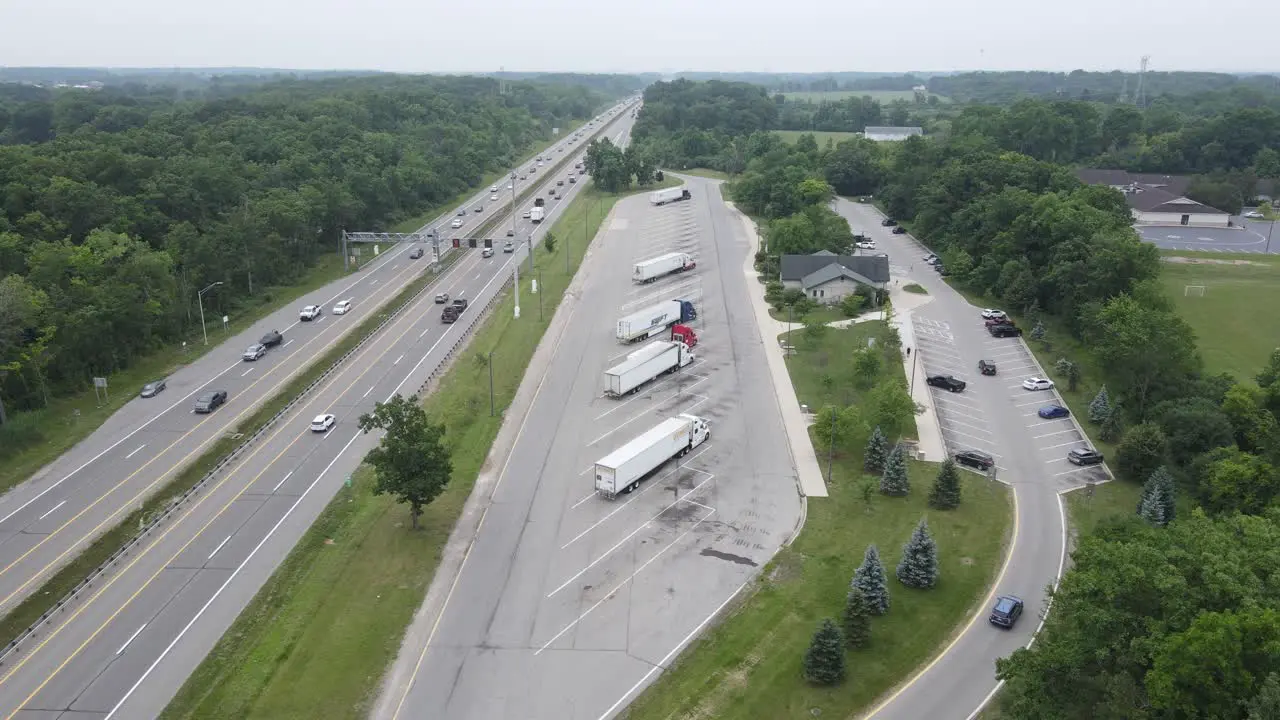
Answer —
397 360
424 332
135 451
1069 430
1051 447
246 372
53 510
286 344
132 637
651 390
366 392
215 550
283 479
588 497
225 583
702 399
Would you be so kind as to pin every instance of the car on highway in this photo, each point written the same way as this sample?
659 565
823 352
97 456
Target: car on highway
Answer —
322 423
253 352
1084 456
508 247
1001 330
210 401
493 197
1253 215
493 188
454 311
560 183
153 388
478 208
415 253
462 212
533 170
1037 383
511 233
573 180
946 382
865 245
524 177
1053 412
442 298
975 459
992 313
1007 610
526 214
486 253
986 367
899 230
888 222
271 339
310 312
457 223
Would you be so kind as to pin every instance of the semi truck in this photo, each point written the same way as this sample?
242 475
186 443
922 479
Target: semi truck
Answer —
536 215
647 363
622 470
654 319
646 271
662 197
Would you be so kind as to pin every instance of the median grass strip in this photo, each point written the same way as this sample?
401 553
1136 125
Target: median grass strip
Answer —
319 635
749 665
66 579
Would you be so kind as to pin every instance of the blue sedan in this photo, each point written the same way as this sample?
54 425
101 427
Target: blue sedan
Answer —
1053 412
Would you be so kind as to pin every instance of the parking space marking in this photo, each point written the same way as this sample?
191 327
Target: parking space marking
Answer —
1069 472
1071 430
971 425
1051 447
974 438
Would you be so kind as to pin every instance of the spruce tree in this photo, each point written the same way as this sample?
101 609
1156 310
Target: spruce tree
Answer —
1100 407
894 479
1112 426
1158 504
824 660
1037 332
870 579
877 452
919 565
857 619
945 494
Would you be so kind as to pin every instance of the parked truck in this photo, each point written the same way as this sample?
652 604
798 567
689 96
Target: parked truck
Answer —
662 197
646 271
654 320
647 363
623 469
536 215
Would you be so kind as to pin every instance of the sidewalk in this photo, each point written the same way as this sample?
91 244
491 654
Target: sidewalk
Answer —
808 472
930 446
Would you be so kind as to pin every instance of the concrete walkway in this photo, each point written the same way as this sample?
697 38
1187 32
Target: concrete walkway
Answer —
808 471
929 445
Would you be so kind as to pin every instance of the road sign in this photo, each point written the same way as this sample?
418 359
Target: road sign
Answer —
99 382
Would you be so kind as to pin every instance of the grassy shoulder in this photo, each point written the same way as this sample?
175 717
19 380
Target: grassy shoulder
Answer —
319 635
749 666
702 172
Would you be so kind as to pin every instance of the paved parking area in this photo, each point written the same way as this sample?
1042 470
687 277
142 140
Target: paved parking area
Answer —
963 423
1249 237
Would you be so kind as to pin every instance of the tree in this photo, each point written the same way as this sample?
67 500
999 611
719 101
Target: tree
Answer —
891 407
814 331
871 581
1266 704
919 565
856 619
894 481
824 660
1037 332
1100 407
549 242
1113 427
412 462
945 494
851 305
1158 505
1143 449
1147 349
866 366
842 427
877 452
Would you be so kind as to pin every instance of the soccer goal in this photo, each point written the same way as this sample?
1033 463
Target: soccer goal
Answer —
1193 291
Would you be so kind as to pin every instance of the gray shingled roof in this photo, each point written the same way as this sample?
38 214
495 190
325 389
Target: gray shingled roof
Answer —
1174 184
829 273
1154 200
798 267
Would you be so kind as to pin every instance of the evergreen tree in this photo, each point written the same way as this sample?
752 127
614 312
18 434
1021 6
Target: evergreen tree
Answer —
857 619
1158 504
1266 704
877 452
1037 332
894 479
945 494
1112 426
919 565
1100 407
824 660
872 582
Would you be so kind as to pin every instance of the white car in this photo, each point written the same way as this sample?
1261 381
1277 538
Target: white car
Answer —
865 245
342 307
1037 383
457 223
989 314
322 423
310 312
493 197
493 188
509 186
1253 214
525 215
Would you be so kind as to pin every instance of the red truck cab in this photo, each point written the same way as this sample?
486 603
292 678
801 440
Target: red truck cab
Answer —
684 334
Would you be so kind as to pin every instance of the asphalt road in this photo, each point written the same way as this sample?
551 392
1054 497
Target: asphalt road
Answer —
46 521
993 414
569 604
1249 236
126 646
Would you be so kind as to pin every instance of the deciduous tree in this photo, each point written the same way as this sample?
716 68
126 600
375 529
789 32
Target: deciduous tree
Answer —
412 462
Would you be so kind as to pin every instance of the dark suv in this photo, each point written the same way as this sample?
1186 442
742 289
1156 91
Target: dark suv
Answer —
946 382
1085 456
453 311
1004 330
975 459
1007 611
888 222
271 339
986 367
210 401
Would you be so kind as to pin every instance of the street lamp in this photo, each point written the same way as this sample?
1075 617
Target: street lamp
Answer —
513 203
200 300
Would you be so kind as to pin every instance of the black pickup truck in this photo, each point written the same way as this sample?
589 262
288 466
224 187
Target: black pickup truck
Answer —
452 311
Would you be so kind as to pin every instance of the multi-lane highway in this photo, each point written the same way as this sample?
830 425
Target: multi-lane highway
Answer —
568 604
126 644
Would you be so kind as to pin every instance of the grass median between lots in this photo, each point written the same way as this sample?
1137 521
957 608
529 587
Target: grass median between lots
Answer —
66 579
320 634
749 665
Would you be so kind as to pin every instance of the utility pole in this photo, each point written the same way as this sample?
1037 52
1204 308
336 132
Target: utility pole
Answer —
516 284
831 446
542 290
490 383
200 299
1267 251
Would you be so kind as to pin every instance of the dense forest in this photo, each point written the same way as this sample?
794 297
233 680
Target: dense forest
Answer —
1171 612
1109 87
116 208
698 124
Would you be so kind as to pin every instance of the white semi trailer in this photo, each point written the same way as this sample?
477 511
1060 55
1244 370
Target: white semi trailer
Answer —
645 364
623 469
646 271
654 320
662 197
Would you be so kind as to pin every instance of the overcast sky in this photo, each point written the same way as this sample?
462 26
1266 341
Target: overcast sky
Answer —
639 35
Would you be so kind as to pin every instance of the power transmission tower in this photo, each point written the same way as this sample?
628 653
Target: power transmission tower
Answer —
1140 96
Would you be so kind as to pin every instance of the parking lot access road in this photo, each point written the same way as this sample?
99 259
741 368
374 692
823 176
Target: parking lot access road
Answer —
995 415
568 604
126 644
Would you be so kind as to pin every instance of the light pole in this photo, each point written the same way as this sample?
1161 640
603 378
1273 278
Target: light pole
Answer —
516 285
514 209
1267 251
541 317
200 299
831 446
490 383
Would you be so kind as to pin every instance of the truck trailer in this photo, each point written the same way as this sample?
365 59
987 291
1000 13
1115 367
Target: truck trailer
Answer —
647 363
654 320
536 214
623 469
662 197
646 271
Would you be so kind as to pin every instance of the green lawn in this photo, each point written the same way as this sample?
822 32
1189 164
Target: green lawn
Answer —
915 288
1230 337
883 96
822 315
748 666
703 172
317 638
821 136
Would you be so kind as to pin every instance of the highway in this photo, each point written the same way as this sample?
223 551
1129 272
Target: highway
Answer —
997 416
126 645
568 604
46 521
